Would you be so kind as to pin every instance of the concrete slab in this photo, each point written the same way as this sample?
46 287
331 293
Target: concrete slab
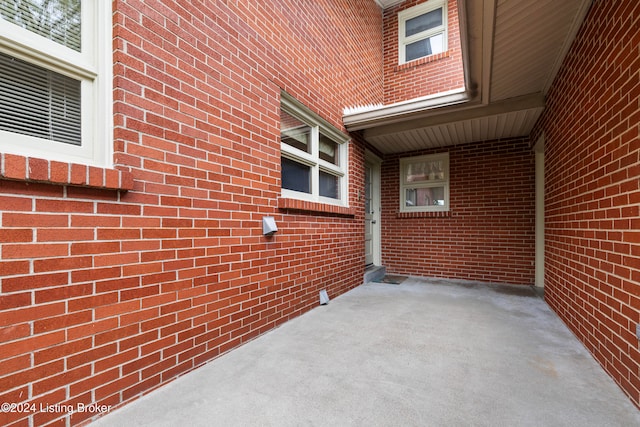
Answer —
422 353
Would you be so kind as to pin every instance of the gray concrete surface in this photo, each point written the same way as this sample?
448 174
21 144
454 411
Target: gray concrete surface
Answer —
422 353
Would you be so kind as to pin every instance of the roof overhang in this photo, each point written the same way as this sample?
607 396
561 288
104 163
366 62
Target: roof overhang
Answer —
365 118
384 4
511 52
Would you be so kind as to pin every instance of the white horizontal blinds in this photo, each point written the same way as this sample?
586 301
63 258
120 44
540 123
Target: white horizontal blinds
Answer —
38 102
57 20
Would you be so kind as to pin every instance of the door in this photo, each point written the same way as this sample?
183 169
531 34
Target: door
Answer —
369 221
372 211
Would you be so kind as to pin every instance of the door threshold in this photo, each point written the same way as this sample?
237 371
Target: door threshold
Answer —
374 272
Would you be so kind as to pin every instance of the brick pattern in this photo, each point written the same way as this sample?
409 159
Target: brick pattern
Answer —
592 159
489 232
105 295
306 206
21 168
425 76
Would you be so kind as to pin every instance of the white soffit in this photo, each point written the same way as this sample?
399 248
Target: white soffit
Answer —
531 39
384 4
507 125
526 42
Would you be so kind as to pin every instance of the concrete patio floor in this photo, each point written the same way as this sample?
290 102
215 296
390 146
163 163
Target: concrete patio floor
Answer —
422 353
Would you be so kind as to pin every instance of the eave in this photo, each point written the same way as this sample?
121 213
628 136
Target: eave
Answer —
511 54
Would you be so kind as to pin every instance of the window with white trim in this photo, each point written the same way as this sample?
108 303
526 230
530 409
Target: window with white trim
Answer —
55 80
314 156
422 30
424 183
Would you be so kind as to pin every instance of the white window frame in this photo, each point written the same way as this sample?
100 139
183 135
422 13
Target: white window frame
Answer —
92 66
312 158
418 10
431 183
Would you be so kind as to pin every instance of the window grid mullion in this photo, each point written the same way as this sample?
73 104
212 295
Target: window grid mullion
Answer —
315 170
297 155
424 35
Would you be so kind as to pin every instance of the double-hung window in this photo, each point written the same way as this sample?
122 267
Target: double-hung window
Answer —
422 30
55 80
424 183
313 156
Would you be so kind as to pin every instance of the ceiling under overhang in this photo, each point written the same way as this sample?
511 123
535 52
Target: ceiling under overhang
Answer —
512 51
388 3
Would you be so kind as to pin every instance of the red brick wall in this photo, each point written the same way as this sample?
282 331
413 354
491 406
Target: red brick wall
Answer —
425 76
489 232
592 160
107 294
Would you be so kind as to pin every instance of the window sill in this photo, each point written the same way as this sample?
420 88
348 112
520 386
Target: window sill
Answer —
433 214
306 206
30 169
422 61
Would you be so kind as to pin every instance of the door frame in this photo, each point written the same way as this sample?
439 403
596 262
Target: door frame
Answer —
540 250
375 163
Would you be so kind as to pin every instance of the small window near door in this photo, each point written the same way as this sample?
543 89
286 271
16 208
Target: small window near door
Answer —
424 183
422 30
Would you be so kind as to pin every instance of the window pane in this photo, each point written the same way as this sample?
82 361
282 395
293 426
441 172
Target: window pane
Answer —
296 176
417 50
57 20
328 150
424 171
423 22
38 102
294 132
426 47
433 196
329 185
437 43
